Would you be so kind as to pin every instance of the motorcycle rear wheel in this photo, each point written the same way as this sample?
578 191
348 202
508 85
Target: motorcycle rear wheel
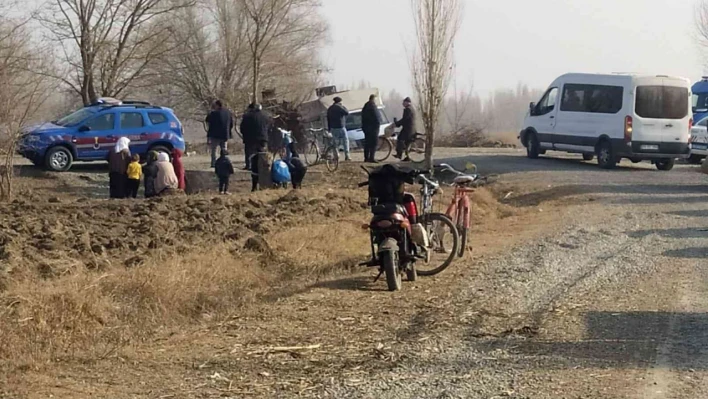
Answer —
388 256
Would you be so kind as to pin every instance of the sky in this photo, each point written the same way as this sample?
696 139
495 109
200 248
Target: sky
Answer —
506 42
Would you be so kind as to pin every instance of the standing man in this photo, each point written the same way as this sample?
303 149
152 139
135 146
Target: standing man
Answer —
254 128
408 129
221 125
370 124
337 125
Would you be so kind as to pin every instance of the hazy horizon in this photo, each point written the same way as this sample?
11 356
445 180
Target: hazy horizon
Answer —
502 44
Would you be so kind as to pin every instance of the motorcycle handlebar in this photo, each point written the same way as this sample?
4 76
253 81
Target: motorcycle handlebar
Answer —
363 184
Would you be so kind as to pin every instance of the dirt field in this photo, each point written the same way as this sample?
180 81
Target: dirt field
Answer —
582 283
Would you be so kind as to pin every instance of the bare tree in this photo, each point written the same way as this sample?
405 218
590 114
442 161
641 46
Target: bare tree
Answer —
270 20
23 92
437 23
108 44
212 57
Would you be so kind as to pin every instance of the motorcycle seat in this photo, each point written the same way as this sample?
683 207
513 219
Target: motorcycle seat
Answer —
387 209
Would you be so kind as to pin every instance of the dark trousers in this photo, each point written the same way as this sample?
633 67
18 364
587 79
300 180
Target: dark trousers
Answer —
132 187
223 184
249 149
252 148
402 145
371 142
116 183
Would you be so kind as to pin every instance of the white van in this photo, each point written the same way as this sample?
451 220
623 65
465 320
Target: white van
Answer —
614 117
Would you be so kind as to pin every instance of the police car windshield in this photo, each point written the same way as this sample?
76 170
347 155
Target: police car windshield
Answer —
75 118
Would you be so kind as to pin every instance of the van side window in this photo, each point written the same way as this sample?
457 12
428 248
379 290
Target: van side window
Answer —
592 98
548 102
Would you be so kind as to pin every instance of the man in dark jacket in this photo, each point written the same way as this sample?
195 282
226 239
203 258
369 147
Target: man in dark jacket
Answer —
221 125
254 128
407 123
337 125
370 124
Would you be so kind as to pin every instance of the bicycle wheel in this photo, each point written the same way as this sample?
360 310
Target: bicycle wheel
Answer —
462 220
416 151
443 244
383 149
331 158
312 155
463 231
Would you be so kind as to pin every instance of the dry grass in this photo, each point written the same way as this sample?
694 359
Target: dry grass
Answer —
85 315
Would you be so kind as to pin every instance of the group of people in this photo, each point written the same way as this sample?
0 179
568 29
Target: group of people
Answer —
159 175
255 126
371 124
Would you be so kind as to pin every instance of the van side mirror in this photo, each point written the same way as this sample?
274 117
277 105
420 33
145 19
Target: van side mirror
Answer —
84 129
532 107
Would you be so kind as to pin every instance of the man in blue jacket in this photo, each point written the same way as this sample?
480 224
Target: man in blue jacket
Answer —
337 125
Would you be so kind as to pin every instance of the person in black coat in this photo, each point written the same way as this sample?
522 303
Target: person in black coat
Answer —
150 174
220 129
254 128
407 123
224 169
337 124
297 168
370 124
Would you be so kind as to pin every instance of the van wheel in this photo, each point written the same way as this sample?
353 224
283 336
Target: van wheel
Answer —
695 159
532 149
605 155
588 157
665 164
58 159
635 160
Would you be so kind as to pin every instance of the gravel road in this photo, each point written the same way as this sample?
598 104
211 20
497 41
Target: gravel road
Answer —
611 303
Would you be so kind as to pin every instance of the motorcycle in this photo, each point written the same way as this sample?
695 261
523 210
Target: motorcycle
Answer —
393 226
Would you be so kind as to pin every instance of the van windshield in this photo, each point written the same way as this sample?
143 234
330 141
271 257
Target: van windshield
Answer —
700 102
661 102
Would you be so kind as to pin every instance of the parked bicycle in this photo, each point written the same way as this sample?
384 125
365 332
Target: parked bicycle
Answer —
443 238
330 154
459 209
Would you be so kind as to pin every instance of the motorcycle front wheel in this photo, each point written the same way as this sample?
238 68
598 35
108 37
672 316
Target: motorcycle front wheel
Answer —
443 244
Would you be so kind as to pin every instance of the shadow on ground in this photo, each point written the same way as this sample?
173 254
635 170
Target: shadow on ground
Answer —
614 340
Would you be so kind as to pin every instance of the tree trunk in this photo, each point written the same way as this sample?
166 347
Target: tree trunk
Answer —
256 75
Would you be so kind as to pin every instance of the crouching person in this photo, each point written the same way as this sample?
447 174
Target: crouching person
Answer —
166 182
298 169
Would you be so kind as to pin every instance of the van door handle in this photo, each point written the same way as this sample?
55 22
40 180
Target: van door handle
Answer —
553 117
669 125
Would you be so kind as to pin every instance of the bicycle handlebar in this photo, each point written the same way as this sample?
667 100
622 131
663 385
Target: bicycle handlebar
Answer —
429 182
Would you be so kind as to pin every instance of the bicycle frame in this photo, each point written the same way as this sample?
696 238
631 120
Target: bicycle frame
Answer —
459 209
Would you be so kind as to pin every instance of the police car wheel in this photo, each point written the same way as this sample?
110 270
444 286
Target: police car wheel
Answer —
58 159
158 149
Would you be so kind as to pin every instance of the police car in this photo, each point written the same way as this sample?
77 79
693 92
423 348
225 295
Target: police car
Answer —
699 141
91 132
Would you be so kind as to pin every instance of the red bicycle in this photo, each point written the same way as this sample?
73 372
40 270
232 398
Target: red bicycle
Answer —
459 209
